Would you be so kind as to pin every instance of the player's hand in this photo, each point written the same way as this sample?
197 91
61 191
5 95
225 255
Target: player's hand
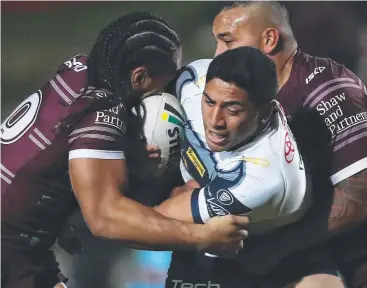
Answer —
224 234
153 151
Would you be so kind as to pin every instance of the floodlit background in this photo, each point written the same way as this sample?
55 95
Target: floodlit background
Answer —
36 37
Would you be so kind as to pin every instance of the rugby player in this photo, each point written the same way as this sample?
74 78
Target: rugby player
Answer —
339 97
240 151
68 144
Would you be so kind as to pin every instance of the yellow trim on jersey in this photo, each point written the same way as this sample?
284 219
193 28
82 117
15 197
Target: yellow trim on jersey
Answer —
200 82
194 159
256 161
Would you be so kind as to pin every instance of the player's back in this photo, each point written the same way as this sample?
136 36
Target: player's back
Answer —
35 186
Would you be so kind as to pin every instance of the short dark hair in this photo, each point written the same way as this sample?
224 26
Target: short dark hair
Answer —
249 69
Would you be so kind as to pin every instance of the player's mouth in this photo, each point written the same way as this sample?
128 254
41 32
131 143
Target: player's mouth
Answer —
216 138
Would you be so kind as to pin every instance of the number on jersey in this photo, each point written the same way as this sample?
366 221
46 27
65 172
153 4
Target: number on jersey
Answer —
21 119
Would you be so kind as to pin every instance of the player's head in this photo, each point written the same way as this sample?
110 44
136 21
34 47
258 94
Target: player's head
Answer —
136 52
240 86
263 25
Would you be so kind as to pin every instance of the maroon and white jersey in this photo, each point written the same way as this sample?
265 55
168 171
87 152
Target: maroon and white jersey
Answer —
36 195
341 99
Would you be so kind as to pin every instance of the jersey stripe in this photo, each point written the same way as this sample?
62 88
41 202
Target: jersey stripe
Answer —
96 154
66 86
331 89
7 180
43 137
96 128
350 140
358 127
93 136
349 171
3 168
310 97
35 141
195 206
58 90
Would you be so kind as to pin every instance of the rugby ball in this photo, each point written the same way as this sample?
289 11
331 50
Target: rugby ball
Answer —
162 125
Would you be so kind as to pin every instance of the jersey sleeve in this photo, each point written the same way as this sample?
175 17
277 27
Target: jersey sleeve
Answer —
100 135
341 99
245 189
191 80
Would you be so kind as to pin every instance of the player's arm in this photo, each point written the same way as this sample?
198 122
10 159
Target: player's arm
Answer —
222 196
99 178
346 122
349 202
99 184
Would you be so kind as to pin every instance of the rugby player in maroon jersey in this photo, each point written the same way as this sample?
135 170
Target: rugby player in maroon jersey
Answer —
66 144
328 90
338 96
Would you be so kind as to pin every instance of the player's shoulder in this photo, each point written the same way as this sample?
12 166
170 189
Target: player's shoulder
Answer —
321 77
191 78
320 71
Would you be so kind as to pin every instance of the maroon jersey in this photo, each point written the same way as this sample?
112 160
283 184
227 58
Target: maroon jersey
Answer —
35 187
341 99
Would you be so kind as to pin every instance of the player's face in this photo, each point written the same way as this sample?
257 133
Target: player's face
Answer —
228 115
233 28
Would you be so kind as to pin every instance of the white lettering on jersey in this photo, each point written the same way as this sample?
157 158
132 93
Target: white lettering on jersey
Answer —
75 65
103 118
318 70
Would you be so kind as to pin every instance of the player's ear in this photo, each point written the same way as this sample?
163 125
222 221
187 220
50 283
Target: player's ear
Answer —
270 40
138 77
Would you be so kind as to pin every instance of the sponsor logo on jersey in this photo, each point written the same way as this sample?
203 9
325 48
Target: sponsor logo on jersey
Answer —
224 197
289 149
335 119
256 161
195 161
181 284
317 70
104 118
214 209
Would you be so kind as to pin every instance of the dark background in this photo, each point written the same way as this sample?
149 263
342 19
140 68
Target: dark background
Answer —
39 36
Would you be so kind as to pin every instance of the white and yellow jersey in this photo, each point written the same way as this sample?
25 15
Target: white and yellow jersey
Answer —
264 179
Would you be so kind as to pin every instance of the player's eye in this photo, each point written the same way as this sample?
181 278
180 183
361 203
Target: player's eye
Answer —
209 103
233 112
228 41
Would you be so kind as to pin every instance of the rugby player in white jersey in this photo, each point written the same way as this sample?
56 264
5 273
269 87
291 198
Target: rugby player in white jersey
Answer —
240 154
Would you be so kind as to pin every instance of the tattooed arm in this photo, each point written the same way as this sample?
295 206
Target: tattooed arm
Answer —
348 209
350 202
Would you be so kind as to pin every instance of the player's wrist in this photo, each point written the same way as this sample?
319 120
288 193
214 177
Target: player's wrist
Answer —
202 235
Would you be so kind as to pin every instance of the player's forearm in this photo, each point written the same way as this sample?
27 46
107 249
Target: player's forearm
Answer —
141 227
349 205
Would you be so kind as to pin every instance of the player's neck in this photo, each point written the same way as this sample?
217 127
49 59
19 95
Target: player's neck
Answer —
284 67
